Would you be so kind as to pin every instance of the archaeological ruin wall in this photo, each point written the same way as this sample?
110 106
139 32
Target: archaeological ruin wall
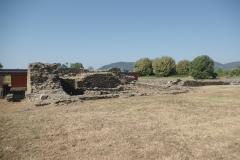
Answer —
47 84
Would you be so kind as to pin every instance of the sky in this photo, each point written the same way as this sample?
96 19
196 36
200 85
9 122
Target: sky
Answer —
100 32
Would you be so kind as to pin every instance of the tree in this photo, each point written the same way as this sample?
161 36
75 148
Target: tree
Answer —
235 71
1 66
220 72
164 66
143 67
202 67
183 67
76 65
59 65
90 68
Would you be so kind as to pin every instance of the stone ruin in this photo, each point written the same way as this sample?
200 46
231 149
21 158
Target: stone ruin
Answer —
47 84
177 86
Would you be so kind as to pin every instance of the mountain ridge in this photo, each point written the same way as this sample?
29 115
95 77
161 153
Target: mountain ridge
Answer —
121 65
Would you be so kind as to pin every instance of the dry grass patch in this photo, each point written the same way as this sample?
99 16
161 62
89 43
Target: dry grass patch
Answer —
202 124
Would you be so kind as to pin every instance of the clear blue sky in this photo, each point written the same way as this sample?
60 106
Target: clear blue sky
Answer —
100 32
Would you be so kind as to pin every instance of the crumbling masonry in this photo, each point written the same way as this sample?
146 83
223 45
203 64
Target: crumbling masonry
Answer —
47 84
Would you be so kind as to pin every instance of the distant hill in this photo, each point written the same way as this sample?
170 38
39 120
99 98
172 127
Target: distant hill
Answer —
129 65
225 66
121 65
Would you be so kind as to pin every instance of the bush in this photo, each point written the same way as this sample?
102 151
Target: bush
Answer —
143 67
202 67
183 67
226 72
164 66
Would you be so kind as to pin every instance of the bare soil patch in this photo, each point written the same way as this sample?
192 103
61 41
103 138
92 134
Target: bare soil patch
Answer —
201 124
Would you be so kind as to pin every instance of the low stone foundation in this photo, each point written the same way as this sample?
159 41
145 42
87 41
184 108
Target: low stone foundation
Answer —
197 83
177 86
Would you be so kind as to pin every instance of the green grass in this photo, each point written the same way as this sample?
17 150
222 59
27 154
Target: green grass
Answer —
6 79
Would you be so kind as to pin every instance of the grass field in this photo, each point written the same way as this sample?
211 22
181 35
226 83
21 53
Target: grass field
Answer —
201 124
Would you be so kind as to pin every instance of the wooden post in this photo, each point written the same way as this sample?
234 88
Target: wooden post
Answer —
1 87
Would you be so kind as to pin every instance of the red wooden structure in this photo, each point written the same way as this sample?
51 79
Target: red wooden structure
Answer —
18 81
18 77
135 74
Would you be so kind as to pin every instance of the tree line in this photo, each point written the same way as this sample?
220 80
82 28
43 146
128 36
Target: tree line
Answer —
73 65
202 67
66 65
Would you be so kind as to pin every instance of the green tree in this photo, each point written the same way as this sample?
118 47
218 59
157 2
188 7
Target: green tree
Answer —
202 67
143 67
90 68
164 66
183 67
59 65
220 72
76 65
64 66
235 71
1 66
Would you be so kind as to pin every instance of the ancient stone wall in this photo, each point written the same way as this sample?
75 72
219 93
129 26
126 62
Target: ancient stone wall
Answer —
43 84
46 83
68 72
100 80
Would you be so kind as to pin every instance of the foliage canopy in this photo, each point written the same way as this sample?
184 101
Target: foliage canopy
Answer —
235 71
202 67
164 66
143 67
59 65
183 67
76 65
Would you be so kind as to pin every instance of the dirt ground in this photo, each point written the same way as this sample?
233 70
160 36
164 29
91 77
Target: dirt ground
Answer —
13 106
201 124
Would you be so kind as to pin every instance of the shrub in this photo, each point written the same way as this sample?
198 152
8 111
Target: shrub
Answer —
183 67
226 72
164 66
143 67
202 67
